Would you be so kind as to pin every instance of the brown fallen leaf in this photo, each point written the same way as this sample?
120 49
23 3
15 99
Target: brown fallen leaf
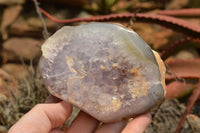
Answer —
178 89
177 4
69 2
19 71
8 86
10 15
147 5
18 49
183 68
11 2
32 26
24 29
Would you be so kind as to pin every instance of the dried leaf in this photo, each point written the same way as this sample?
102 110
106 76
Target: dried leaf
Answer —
146 5
183 68
11 2
177 4
15 49
69 2
19 71
178 89
10 15
24 29
8 86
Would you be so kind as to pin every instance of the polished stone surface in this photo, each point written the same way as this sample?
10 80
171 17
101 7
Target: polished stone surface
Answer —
104 69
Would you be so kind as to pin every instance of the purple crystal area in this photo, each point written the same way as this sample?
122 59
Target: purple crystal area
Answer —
104 69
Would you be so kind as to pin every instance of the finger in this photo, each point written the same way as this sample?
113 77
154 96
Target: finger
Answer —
116 127
138 124
52 99
42 118
56 130
83 123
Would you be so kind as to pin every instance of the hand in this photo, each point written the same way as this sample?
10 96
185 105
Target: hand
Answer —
48 117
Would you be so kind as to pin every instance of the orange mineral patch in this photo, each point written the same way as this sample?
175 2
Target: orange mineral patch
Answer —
115 104
162 69
70 62
138 85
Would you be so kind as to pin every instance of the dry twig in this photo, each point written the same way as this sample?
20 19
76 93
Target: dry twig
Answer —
45 31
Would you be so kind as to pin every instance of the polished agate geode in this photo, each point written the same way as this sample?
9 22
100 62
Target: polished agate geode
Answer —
104 69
